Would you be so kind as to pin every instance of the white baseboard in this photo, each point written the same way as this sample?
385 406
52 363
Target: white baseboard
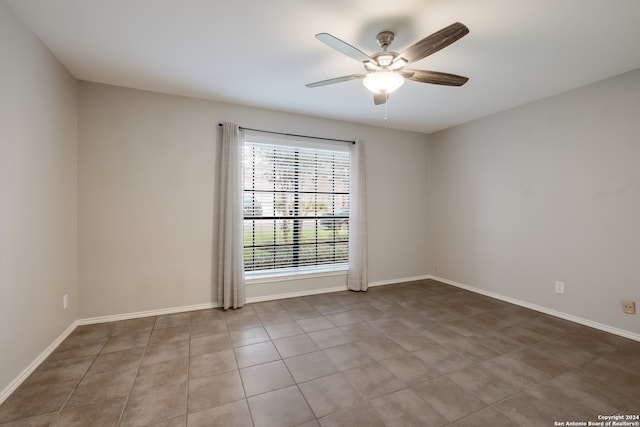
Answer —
401 280
541 309
296 294
138 314
330 290
13 385
172 310
10 388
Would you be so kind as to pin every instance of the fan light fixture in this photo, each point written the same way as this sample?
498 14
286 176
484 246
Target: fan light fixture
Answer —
383 81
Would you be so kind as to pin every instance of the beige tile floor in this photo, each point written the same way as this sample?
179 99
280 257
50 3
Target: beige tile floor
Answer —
415 354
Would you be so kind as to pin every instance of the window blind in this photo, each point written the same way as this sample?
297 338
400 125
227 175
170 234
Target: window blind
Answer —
295 208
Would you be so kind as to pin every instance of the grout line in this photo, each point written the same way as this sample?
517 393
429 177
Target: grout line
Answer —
188 379
244 391
79 381
133 384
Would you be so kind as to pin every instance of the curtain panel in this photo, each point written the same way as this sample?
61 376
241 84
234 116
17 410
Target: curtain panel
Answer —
230 285
357 279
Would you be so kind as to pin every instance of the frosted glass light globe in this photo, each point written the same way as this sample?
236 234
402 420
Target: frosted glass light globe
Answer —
383 81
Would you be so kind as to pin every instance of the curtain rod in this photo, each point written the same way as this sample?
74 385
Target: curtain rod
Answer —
293 134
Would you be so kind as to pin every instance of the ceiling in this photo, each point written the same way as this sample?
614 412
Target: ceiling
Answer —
262 53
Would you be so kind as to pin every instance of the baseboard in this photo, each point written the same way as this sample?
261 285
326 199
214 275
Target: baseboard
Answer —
172 310
330 290
13 385
138 314
402 280
541 309
296 294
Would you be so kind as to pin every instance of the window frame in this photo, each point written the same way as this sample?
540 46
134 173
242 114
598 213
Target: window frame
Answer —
297 271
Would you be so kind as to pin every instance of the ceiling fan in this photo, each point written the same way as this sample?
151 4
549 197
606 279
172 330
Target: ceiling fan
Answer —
385 71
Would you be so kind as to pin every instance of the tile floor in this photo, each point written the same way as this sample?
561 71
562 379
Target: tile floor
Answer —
415 354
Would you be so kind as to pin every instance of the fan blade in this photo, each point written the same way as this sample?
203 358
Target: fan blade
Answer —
433 43
336 80
380 98
342 47
437 78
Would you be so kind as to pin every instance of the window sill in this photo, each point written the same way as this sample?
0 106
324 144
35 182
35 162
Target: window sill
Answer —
297 275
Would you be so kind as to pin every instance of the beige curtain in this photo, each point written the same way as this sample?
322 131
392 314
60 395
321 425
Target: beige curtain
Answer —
357 279
230 265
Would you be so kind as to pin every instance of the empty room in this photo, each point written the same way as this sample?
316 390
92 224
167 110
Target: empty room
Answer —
319 213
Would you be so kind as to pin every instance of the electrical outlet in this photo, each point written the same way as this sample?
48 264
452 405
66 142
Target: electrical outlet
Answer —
629 307
559 287
65 301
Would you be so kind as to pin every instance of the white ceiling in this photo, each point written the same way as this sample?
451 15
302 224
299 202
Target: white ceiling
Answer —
262 53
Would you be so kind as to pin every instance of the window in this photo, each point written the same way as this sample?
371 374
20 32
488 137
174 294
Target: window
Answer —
295 208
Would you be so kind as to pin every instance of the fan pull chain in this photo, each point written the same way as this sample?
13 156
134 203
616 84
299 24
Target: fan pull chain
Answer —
386 110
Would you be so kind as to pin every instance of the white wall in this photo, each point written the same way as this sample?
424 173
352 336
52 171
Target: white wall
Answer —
548 191
148 210
38 199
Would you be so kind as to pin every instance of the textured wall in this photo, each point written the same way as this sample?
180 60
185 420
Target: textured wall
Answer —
544 192
38 197
147 198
